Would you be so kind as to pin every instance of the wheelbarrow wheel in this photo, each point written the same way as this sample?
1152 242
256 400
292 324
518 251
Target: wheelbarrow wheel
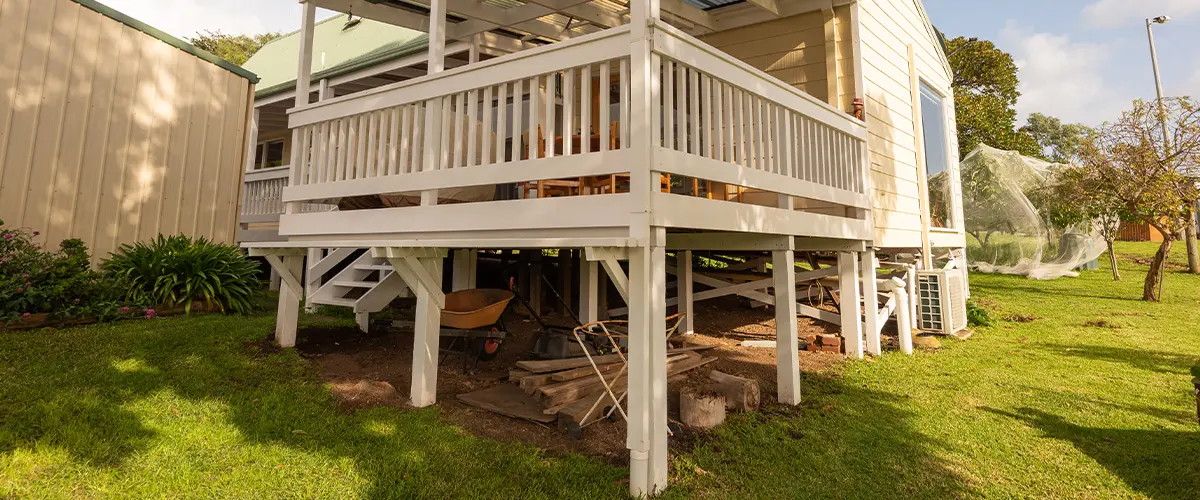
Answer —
490 348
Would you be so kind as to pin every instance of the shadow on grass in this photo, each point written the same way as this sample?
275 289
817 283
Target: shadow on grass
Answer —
843 441
1160 464
108 393
1155 361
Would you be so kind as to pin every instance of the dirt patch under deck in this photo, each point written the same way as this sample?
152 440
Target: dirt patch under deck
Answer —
360 366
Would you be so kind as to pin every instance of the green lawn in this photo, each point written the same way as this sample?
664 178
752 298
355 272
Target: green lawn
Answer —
178 407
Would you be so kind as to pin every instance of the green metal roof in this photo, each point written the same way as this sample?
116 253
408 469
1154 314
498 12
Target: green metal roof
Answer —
121 17
337 50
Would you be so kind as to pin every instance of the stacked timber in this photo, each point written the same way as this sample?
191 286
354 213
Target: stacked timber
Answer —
579 390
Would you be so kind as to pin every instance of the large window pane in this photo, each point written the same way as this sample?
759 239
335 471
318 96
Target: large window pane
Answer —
937 160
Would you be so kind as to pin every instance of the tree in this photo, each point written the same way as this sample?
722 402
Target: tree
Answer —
1059 142
236 49
985 98
1074 200
1149 176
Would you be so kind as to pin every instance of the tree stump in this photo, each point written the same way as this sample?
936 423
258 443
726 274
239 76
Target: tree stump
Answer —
741 394
702 411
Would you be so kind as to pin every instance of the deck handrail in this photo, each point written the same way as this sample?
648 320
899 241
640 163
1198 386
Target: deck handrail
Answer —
607 44
667 39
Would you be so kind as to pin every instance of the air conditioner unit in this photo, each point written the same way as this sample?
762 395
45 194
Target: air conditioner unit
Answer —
942 301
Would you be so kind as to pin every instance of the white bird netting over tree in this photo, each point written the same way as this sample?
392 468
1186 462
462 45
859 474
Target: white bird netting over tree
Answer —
1007 205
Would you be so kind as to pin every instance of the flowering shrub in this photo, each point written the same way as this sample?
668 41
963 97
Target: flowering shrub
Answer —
59 283
178 270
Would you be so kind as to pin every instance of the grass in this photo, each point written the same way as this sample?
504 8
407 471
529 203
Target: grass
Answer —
1050 408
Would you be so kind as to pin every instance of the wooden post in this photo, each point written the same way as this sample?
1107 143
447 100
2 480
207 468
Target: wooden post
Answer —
473 269
589 291
363 320
288 313
566 287
535 281
903 320
870 290
425 340
851 311
274 281
253 140
312 282
436 63
646 436
308 22
461 274
683 286
787 337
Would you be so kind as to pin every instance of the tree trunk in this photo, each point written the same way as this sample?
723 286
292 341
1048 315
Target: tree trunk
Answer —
1112 261
1192 253
1152 288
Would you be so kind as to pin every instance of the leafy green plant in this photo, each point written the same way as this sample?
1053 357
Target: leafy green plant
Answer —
177 270
59 283
1196 372
977 315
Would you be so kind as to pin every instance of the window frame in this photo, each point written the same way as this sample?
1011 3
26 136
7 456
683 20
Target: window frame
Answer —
260 157
925 87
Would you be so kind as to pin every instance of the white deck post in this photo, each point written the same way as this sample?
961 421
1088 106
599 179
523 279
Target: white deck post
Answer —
851 312
462 270
253 140
274 282
432 151
903 320
426 334
787 337
647 432
910 281
589 291
288 313
871 302
683 287
308 21
311 282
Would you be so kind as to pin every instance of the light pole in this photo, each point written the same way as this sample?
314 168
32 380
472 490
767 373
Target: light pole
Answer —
1150 22
1189 233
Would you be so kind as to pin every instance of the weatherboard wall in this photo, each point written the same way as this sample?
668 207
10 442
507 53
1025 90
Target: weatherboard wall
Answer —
887 28
112 133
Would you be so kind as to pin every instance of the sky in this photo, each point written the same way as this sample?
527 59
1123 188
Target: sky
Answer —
1080 60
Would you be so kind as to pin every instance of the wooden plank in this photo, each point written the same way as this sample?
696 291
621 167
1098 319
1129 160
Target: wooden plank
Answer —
565 392
584 371
554 365
507 400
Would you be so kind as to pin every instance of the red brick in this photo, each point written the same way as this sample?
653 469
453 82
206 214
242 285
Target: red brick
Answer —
813 347
831 348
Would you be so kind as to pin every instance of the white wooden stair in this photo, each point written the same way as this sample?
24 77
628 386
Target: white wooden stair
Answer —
366 285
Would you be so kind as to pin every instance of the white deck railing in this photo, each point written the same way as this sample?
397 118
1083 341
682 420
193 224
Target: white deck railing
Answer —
263 192
716 119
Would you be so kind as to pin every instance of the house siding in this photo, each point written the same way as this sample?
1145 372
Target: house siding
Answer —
887 28
795 49
111 135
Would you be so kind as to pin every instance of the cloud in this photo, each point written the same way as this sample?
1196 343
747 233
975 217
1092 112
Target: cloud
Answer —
1061 77
1113 13
184 18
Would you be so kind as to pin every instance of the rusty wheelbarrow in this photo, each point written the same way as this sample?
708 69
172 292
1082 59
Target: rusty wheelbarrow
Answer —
473 318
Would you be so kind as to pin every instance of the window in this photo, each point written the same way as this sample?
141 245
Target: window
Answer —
269 154
937 158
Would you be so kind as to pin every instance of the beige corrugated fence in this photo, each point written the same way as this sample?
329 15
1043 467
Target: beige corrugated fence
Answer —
112 135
